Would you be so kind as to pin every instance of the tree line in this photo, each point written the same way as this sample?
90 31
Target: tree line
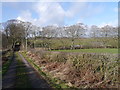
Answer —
14 31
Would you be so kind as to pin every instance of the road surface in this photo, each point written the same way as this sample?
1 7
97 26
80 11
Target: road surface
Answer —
35 79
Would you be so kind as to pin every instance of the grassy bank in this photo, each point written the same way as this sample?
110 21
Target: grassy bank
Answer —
81 70
54 82
6 60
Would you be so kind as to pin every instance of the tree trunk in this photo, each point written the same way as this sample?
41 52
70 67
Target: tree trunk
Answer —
26 44
72 44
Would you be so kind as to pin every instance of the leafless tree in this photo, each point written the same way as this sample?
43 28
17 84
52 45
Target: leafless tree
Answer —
106 30
95 31
27 28
14 31
48 33
75 31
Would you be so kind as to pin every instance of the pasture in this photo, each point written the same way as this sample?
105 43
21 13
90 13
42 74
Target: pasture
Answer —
95 50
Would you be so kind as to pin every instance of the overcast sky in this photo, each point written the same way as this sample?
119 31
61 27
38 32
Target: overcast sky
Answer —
62 13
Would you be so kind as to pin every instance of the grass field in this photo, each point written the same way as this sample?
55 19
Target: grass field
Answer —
56 43
95 50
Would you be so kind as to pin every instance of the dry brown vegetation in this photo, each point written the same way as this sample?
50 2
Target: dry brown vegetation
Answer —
81 70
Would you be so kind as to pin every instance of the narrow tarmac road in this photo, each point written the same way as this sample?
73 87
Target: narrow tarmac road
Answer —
36 81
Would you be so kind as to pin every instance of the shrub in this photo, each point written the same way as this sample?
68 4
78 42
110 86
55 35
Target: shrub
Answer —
58 56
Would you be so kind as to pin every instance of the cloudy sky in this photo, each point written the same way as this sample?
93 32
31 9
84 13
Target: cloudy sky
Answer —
62 13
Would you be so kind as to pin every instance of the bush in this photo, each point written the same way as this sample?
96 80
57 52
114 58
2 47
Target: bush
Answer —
58 57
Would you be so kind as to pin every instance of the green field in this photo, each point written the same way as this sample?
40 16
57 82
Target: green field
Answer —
57 43
98 50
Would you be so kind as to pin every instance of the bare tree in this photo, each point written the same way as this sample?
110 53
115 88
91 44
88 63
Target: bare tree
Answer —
15 32
62 36
27 28
113 32
106 30
75 31
48 33
34 33
95 31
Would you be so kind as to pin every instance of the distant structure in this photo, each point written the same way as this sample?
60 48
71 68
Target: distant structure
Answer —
16 47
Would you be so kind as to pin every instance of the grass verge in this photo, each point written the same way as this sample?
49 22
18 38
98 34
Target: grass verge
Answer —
54 82
6 65
22 80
